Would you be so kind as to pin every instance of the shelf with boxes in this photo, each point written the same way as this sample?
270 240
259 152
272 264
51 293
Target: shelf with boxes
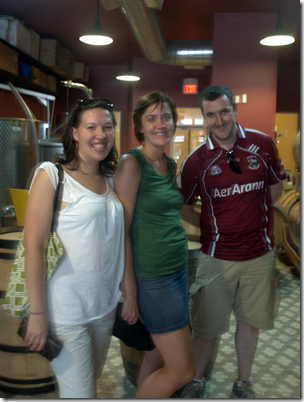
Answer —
35 63
19 56
58 58
12 59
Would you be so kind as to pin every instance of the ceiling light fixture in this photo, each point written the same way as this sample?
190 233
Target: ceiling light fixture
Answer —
278 37
192 52
129 76
96 37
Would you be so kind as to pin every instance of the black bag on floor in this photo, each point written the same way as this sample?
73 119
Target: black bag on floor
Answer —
135 336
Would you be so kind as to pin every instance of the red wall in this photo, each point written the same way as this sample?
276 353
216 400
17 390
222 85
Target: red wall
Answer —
105 85
154 77
288 99
11 108
239 62
167 79
247 67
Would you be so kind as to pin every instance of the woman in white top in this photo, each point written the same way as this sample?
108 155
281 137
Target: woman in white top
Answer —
80 300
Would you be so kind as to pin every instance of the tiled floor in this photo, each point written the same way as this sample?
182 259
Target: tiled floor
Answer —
276 368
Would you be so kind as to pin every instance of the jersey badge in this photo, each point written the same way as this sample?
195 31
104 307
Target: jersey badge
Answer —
253 162
214 170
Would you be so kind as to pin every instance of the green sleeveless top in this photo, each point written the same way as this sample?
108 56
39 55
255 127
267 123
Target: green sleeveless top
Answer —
159 240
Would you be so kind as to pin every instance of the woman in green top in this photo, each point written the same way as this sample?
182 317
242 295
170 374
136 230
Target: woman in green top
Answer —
156 275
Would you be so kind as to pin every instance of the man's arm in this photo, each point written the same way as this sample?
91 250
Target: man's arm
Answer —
190 215
275 191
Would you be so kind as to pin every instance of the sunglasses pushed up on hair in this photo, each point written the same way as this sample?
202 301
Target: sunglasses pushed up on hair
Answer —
103 102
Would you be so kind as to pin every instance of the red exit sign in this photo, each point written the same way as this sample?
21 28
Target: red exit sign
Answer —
190 89
190 86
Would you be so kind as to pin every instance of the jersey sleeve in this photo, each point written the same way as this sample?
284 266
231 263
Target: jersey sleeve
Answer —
188 181
276 170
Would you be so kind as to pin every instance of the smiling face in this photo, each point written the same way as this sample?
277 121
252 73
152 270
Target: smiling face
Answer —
95 135
157 124
220 118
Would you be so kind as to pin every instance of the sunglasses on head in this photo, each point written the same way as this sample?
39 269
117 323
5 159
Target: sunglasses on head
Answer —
232 162
103 102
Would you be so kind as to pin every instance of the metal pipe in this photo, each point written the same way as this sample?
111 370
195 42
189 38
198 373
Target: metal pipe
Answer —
145 25
77 85
31 117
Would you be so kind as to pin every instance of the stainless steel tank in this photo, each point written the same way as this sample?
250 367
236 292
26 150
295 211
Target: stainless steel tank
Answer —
17 156
48 148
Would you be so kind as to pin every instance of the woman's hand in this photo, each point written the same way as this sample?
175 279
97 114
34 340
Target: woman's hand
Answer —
130 310
37 331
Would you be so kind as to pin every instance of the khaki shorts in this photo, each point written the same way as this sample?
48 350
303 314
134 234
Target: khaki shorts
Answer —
250 288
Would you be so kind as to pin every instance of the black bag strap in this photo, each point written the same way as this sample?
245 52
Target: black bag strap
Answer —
58 195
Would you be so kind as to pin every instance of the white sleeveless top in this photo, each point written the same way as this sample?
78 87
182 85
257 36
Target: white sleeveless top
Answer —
85 285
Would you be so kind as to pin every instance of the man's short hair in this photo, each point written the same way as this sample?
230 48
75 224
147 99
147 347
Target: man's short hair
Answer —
215 91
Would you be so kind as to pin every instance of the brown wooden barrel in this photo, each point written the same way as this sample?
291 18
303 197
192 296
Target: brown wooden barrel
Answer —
21 372
296 147
292 244
280 218
286 208
132 358
295 213
9 238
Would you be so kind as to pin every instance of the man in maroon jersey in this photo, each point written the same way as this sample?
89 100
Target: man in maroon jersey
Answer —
238 176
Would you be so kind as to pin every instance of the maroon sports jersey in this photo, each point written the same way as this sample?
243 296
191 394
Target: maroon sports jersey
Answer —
237 217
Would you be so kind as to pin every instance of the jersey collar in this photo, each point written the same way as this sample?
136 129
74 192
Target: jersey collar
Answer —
240 133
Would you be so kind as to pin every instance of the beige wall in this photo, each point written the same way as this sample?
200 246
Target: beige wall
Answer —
287 128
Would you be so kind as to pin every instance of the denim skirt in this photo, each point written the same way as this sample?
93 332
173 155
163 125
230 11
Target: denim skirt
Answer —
163 302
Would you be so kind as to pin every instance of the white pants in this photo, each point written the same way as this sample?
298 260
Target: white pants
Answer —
82 357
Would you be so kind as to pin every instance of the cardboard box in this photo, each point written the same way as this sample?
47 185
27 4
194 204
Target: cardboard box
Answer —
17 35
78 70
43 79
85 74
8 59
53 53
71 63
71 57
56 56
24 69
51 83
37 75
33 44
64 51
48 52
3 28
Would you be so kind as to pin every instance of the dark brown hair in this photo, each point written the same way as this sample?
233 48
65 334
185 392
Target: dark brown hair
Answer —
70 156
142 105
215 91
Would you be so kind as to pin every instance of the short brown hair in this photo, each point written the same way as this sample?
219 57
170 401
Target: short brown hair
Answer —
142 105
214 92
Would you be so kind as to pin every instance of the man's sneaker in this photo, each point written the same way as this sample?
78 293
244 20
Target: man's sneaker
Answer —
243 391
195 389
